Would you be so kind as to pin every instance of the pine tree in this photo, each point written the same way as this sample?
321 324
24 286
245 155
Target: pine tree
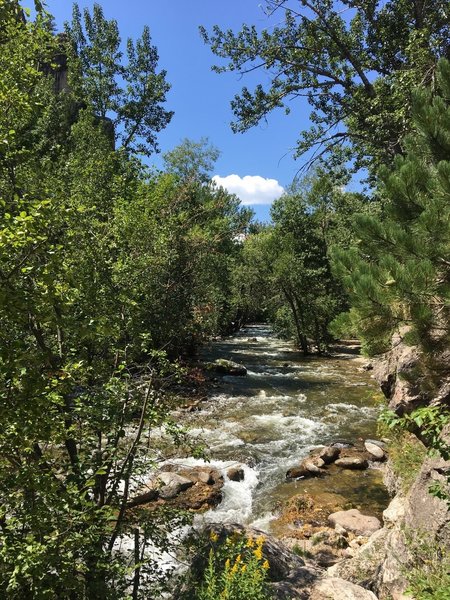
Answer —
399 274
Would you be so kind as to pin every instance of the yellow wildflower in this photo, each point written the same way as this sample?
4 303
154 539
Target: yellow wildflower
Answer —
235 568
258 552
227 564
243 568
260 540
213 536
238 558
250 543
266 565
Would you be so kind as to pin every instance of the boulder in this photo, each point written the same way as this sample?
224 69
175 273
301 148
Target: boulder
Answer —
228 367
396 371
395 511
173 484
364 565
355 522
352 462
196 489
375 451
309 467
329 454
334 588
174 481
235 474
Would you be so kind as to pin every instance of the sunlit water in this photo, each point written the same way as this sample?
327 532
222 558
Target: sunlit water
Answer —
270 419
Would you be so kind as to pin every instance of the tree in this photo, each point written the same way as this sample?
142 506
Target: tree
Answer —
192 161
283 272
302 270
355 63
399 274
67 395
129 94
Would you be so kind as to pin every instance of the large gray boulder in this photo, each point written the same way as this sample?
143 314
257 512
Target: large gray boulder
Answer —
333 588
355 522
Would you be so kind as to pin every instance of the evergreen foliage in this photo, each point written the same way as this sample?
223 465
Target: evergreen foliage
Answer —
399 274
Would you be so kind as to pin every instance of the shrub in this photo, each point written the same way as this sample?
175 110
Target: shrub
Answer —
236 570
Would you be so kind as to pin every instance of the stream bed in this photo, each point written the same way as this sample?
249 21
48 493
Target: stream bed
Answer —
270 419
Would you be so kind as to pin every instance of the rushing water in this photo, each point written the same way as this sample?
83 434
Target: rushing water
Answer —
270 419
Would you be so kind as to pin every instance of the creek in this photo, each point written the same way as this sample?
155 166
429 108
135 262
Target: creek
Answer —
270 419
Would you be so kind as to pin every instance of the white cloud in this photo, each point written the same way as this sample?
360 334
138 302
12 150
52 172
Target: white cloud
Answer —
251 189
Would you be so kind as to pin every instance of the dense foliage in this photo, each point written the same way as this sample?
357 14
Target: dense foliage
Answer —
236 570
105 269
399 274
285 269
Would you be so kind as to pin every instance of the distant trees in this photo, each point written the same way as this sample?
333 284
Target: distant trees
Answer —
191 160
285 269
356 64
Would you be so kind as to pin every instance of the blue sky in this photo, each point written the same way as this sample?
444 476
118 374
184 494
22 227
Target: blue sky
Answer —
260 159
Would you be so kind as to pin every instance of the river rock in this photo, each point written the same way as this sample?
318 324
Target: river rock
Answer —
144 498
355 522
228 367
342 444
352 462
329 454
334 588
376 452
236 474
309 467
196 489
174 481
